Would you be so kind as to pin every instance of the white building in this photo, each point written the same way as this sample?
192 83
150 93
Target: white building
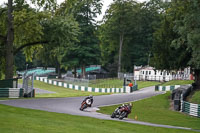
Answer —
151 74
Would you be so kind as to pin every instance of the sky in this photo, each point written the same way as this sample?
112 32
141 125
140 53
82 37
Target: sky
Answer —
106 3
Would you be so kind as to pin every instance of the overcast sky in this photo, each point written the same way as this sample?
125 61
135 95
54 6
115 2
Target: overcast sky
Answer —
106 3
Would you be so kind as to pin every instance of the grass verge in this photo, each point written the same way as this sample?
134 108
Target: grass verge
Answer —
116 83
156 110
65 92
19 120
177 82
106 83
143 84
195 97
60 91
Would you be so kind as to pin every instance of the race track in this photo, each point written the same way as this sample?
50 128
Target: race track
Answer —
71 105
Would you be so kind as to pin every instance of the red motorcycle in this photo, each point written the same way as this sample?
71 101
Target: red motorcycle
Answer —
121 112
86 103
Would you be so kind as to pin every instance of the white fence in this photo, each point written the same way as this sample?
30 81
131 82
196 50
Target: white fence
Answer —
161 78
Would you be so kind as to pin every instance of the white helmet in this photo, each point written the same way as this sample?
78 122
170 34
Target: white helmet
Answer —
90 96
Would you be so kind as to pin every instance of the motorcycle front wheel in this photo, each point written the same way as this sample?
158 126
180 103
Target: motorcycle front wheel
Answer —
113 115
83 107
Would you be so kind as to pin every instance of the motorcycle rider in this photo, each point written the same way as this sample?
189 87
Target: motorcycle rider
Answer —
126 105
90 97
119 111
129 106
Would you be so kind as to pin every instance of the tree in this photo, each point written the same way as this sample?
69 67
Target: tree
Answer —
176 43
9 42
189 30
11 34
138 21
116 29
2 40
61 32
87 49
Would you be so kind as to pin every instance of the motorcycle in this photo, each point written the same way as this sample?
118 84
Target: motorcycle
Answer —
121 112
86 103
116 113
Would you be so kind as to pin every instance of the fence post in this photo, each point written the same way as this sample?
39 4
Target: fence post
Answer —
32 89
182 104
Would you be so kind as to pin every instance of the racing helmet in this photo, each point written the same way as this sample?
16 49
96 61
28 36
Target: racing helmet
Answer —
90 96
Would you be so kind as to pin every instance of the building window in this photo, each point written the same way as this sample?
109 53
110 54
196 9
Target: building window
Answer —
155 72
161 73
149 72
143 72
146 72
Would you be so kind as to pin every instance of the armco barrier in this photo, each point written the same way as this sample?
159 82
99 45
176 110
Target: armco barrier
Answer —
190 108
11 92
186 107
126 89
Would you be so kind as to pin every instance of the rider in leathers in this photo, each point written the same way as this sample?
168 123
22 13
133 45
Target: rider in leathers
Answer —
91 98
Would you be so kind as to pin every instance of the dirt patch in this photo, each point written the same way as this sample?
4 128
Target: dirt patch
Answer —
171 103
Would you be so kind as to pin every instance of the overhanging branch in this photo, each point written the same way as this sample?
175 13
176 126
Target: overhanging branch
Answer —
29 44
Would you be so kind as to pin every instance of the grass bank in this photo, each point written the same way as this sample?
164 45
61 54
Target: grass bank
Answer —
117 83
195 97
60 91
156 110
143 84
177 82
18 120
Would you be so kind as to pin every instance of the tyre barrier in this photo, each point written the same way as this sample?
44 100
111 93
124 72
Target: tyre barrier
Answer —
126 89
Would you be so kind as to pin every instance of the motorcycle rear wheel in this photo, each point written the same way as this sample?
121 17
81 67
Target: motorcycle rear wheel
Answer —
83 107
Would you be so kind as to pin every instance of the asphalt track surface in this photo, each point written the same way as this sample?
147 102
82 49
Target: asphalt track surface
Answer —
71 105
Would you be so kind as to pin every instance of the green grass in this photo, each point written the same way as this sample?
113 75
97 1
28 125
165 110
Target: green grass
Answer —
107 83
156 110
177 82
60 91
103 83
65 92
19 120
195 97
143 84
117 83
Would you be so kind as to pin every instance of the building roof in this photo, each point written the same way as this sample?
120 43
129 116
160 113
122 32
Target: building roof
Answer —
144 68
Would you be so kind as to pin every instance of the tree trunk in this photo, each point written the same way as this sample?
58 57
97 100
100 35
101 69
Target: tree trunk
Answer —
9 44
75 75
121 39
59 71
83 71
197 78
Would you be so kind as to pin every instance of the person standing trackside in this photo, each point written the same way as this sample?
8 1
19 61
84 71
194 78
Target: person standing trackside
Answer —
131 86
